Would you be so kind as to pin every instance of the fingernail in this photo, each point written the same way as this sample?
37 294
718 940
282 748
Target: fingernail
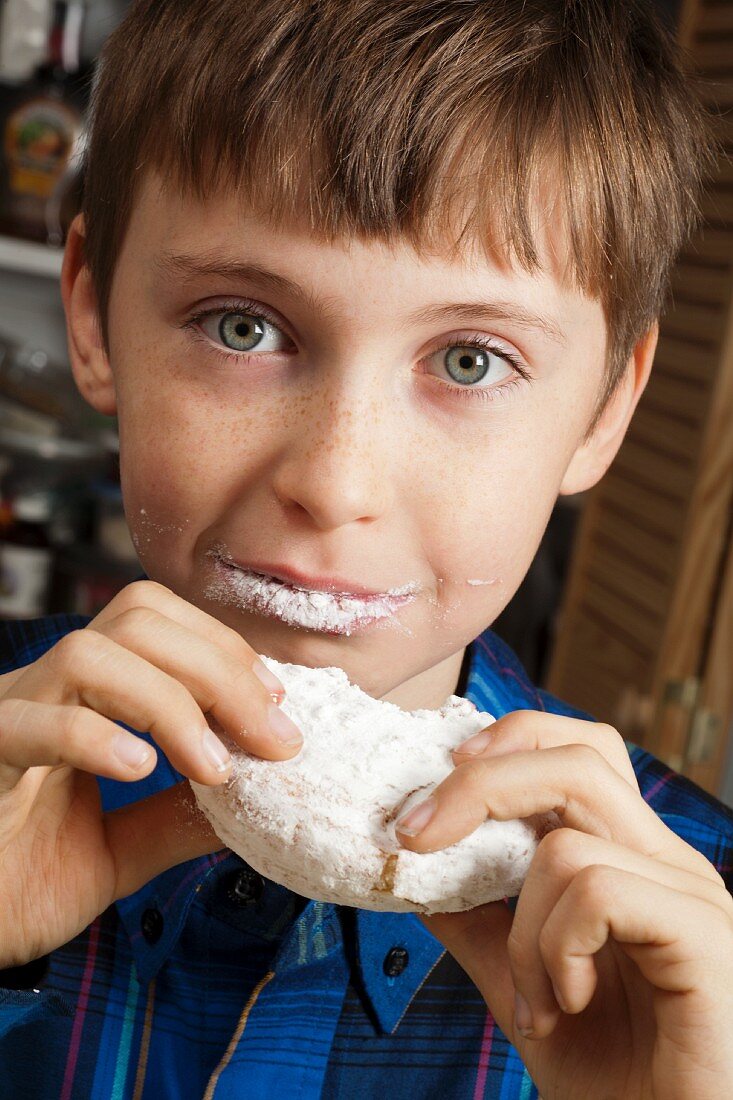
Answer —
414 822
132 753
215 752
286 731
477 743
522 1015
269 679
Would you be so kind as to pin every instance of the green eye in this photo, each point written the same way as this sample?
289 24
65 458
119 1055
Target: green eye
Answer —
241 331
467 364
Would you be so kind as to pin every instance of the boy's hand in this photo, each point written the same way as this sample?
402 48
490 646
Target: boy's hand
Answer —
158 664
631 925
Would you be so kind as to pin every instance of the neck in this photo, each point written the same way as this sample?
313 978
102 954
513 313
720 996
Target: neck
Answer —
430 689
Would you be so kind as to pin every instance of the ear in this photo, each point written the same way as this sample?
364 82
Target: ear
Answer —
597 452
89 361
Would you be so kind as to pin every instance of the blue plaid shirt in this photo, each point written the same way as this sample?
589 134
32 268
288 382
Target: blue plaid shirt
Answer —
212 982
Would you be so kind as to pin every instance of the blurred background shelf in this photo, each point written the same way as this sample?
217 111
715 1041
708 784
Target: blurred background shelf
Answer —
29 258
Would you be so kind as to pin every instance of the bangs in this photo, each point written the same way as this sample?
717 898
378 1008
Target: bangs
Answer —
461 195
406 153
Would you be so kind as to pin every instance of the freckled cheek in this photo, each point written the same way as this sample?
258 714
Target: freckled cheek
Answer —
486 527
161 464
180 469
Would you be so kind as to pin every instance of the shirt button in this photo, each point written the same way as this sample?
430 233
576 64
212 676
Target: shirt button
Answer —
151 924
245 887
395 961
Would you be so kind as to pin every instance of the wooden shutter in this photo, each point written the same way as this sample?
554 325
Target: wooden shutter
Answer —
640 607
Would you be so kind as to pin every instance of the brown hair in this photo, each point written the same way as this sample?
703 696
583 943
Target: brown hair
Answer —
380 119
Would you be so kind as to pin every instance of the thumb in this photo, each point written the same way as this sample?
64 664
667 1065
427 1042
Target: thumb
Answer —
477 940
147 837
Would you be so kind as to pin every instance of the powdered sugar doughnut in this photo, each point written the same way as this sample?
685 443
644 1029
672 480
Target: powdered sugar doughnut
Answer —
322 824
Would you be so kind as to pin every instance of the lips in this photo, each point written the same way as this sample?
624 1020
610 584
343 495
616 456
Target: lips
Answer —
336 586
325 604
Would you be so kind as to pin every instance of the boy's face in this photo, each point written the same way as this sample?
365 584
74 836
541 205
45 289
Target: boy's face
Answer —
344 435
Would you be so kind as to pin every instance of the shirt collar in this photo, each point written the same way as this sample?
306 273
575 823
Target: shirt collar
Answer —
496 683
377 935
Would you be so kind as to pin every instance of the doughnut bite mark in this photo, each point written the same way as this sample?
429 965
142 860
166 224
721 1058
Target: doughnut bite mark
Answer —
322 823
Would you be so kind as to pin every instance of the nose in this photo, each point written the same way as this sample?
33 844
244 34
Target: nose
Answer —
339 460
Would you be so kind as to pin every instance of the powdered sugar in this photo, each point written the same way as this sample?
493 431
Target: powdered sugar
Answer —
322 823
331 612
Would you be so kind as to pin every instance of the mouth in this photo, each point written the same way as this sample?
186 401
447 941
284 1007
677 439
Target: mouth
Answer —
329 612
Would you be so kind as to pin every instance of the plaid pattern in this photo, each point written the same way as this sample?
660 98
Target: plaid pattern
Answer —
279 996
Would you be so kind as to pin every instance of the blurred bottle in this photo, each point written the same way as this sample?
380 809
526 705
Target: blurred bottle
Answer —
26 556
24 29
42 122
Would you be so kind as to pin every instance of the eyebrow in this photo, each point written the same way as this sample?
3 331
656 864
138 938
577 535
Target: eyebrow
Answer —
192 267
492 311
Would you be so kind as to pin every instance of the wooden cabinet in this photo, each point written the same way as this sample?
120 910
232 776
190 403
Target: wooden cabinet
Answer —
645 637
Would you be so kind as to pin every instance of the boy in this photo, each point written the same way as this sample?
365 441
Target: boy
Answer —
368 285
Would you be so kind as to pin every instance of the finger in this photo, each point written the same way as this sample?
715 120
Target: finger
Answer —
574 781
524 730
560 856
90 670
8 678
156 596
180 829
226 687
677 940
44 734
